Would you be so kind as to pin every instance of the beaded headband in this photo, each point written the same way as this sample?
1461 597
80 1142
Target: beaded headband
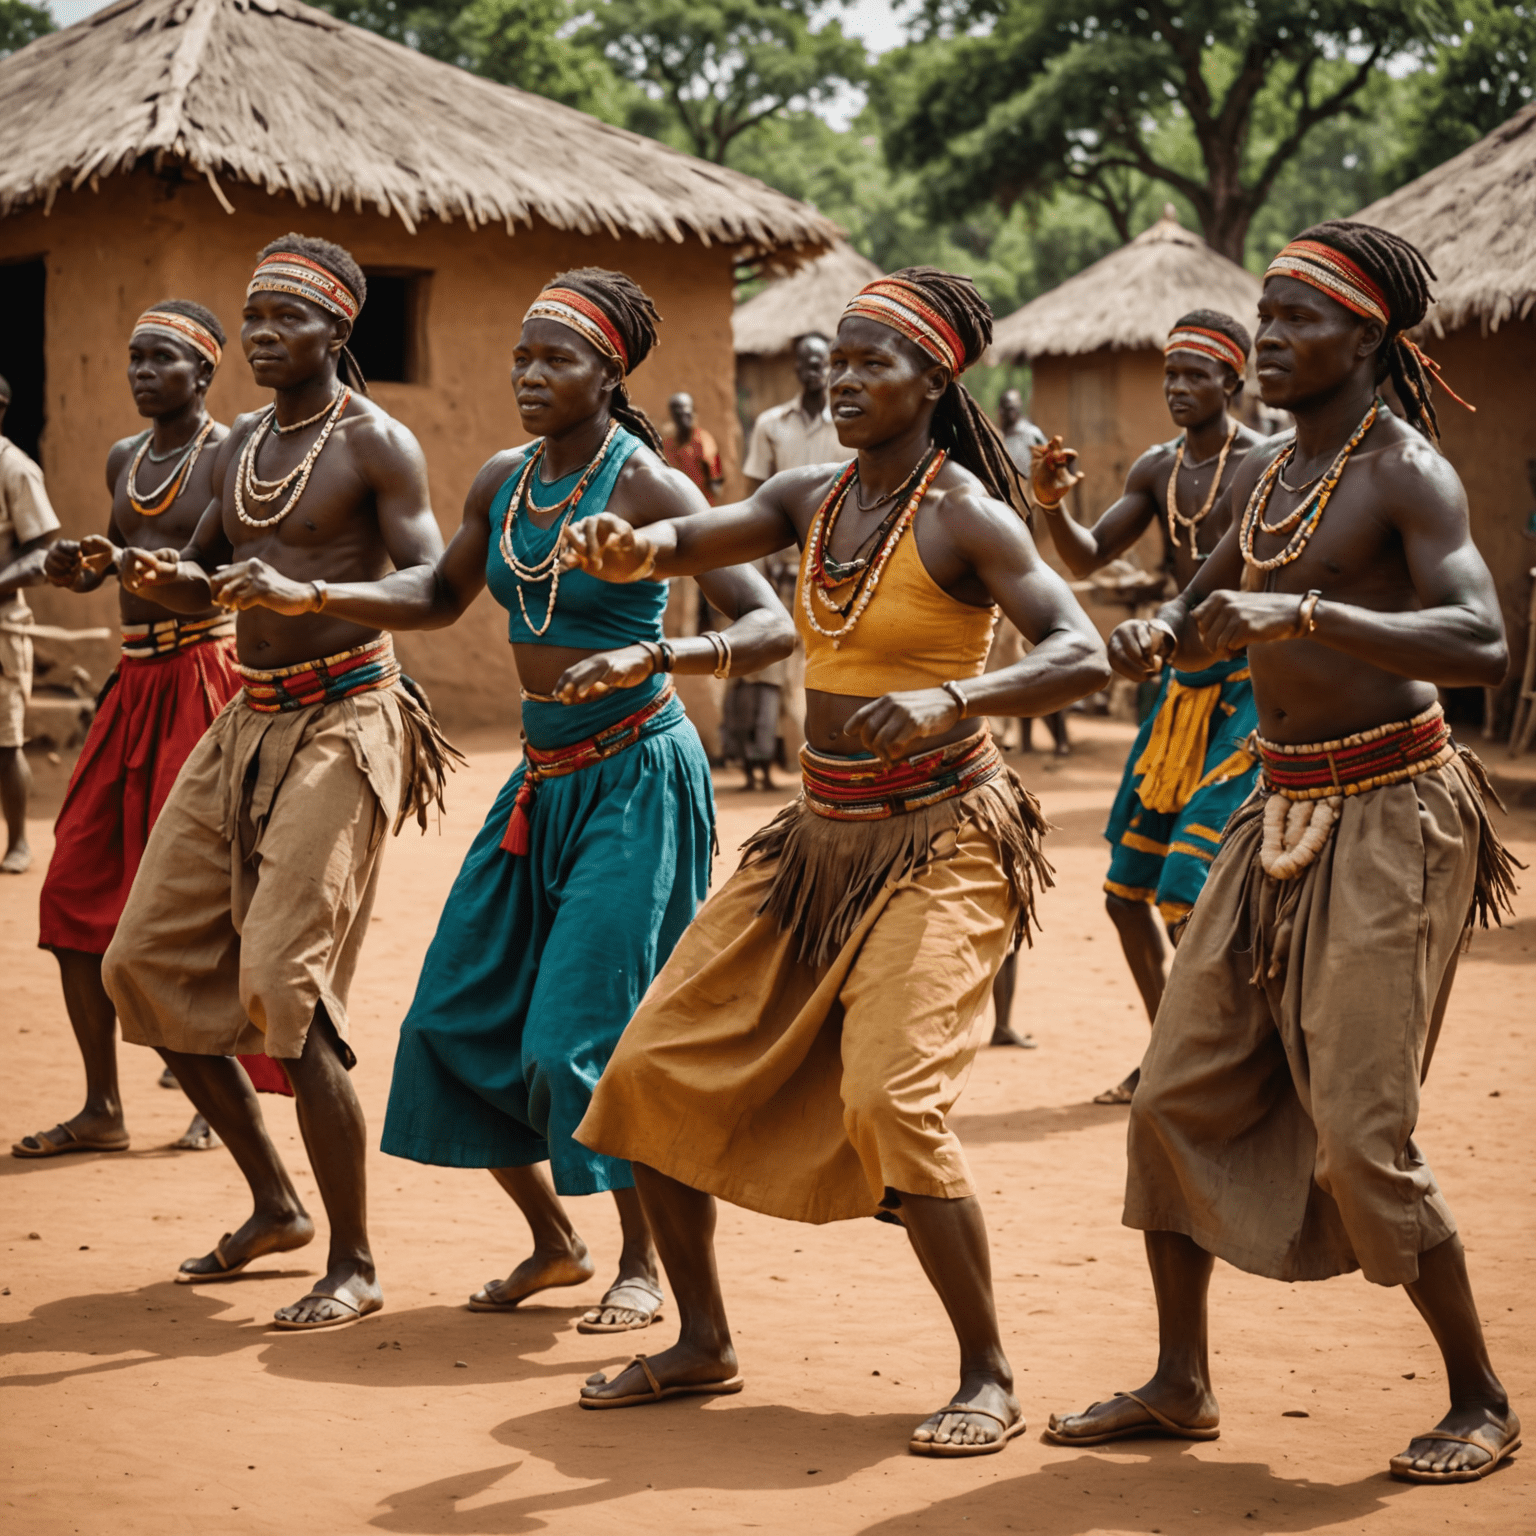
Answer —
184 328
902 307
1329 272
582 316
288 272
1196 338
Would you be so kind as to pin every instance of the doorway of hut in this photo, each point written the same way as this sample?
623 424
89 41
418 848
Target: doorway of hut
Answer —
22 359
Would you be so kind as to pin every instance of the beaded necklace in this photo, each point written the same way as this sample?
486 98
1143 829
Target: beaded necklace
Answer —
153 503
298 426
564 510
1308 512
834 573
868 579
247 483
1176 519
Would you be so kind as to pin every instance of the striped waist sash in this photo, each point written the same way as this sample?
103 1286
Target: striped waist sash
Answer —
557 762
864 789
1389 754
364 669
164 637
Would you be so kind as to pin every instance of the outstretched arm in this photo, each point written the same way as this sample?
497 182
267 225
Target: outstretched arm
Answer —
1086 550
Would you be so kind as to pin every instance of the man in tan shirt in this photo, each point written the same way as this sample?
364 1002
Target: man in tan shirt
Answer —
800 431
27 527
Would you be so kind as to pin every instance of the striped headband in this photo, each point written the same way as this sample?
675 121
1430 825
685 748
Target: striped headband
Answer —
902 307
582 316
1196 338
288 272
1334 274
183 328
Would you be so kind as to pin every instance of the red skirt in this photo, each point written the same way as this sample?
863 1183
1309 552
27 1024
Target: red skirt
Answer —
148 723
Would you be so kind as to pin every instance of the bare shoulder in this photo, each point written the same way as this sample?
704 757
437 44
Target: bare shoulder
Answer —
649 490
119 455
494 473
373 430
969 513
1411 473
1247 439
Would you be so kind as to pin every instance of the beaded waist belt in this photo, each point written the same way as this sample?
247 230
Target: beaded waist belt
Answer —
164 637
364 669
1389 754
864 789
559 761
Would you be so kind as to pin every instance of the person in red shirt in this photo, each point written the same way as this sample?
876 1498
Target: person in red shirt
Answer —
693 450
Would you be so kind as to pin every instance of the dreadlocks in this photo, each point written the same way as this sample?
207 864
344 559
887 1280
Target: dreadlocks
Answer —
1396 291
956 331
629 310
340 264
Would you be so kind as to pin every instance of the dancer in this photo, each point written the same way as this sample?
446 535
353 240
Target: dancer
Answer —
800 1052
176 673
1188 770
1274 1123
596 853
245 922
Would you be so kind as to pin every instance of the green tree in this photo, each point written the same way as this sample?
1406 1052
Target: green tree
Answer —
724 67
1212 99
21 24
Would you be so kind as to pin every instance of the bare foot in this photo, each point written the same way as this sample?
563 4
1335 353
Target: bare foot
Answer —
261 1234
1121 1093
1158 1408
953 1426
1431 1458
632 1301
540 1271
1005 1034
198 1137
18 861
348 1291
681 1365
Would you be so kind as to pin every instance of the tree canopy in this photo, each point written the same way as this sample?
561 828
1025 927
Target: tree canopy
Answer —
20 23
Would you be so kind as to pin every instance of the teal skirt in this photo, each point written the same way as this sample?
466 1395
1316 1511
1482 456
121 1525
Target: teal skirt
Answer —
539 961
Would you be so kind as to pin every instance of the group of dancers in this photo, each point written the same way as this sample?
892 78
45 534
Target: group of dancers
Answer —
588 1019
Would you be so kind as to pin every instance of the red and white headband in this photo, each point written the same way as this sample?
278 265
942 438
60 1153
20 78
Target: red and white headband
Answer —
904 308
582 316
288 272
168 322
1197 338
1329 272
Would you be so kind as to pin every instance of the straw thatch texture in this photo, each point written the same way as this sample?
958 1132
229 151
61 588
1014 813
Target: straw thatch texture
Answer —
1129 299
813 299
1475 219
281 96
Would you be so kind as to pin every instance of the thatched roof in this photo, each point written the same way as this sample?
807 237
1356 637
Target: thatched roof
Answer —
1130 298
281 96
812 299
1475 219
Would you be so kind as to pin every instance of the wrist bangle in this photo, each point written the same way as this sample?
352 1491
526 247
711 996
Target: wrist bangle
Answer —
647 566
668 656
653 653
722 649
957 693
1306 613
322 596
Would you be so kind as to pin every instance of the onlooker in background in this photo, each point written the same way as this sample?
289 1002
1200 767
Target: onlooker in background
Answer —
690 448
27 528
800 431
1019 432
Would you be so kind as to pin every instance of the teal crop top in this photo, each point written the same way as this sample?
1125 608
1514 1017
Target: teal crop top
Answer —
590 615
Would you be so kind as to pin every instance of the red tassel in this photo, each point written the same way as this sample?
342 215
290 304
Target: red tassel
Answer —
515 838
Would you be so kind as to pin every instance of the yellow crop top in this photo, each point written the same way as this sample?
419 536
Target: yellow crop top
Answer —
913 634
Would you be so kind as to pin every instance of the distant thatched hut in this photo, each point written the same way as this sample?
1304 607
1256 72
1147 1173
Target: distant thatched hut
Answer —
1475 219
155 147
1095 347
766 326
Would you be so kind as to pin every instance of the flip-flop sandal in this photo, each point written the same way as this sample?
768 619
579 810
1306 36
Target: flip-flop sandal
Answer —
658 1392
223 1272
981 1448
1161 1425
1400 1468
358 1314
583 1326
42 1147
1117 1095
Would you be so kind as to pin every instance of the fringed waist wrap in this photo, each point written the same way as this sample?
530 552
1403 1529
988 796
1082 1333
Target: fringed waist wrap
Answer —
859 825
1389 754
164 637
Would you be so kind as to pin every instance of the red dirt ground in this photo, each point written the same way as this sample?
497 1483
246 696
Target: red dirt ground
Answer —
136 1406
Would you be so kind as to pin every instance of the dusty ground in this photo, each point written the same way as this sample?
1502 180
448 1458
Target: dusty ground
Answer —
136 1406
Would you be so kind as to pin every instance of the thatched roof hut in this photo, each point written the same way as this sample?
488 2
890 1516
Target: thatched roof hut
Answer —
766 326
153 148
1095 347
1475 219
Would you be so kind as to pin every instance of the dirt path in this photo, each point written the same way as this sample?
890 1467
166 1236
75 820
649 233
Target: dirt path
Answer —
136 1406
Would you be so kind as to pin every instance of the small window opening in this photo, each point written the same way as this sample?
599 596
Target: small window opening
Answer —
389 339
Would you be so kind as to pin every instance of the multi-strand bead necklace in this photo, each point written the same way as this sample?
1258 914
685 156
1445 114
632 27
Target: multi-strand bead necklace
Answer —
1177 519
547 569
826 575
153 503
1307 514
249 486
